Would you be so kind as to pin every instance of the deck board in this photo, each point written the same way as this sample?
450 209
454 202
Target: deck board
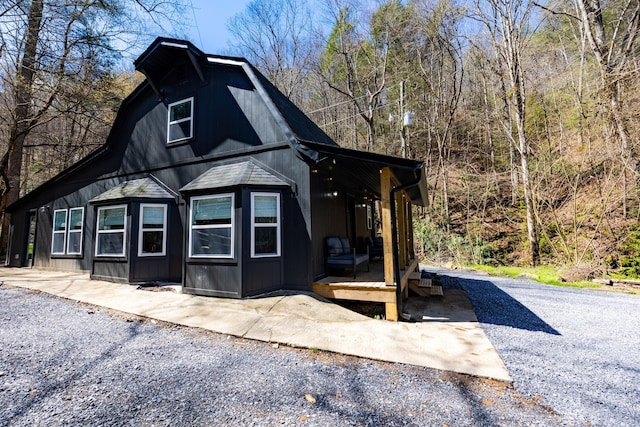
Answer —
366 286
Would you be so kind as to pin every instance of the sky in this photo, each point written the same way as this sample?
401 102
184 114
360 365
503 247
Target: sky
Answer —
209 33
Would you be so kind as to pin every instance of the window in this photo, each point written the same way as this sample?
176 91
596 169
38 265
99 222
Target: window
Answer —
74 240
265 225
180 125
211 226
110 238
67 236
153 230
59 231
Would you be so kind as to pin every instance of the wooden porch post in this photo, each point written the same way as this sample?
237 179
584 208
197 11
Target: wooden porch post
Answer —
402 230
391 309
412 247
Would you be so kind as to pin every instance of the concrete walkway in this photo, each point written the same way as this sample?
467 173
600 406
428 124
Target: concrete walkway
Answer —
447 335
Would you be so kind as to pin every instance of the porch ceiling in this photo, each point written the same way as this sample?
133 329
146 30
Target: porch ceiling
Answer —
358 172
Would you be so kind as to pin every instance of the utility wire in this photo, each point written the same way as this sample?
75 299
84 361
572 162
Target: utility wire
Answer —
195 20
348 101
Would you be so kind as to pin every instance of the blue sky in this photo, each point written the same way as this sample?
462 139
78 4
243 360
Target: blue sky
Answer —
211 17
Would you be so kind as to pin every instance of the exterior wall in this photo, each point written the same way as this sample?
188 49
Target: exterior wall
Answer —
329 219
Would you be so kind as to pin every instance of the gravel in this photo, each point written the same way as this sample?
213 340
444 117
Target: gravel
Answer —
576 351
573 362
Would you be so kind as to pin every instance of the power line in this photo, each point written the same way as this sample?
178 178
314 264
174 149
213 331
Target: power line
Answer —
348 101
195 20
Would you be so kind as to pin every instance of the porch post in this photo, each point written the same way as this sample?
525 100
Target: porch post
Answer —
412 248
391 308
402 229
385 202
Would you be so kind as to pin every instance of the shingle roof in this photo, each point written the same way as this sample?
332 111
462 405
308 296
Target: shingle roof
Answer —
243 173
144 188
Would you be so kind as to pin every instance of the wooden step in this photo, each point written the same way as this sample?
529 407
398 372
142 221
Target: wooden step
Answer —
436 290
416 275
418 290
424 283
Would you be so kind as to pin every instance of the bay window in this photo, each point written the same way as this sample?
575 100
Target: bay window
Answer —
265 225
211 226
110 230
152 237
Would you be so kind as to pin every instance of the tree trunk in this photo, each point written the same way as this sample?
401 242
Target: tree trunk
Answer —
591 16
511 52
11 164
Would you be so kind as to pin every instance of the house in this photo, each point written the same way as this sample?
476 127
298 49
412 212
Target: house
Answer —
210 177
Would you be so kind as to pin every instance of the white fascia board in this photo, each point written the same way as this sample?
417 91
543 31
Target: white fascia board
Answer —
225 61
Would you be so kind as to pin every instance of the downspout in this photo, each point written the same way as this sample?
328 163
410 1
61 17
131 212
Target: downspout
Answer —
394 243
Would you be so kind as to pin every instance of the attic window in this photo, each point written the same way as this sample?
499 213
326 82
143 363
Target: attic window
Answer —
180 125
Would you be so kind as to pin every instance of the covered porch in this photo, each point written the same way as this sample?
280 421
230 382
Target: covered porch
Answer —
389 278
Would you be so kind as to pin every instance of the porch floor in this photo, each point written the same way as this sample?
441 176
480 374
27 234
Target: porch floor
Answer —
366 286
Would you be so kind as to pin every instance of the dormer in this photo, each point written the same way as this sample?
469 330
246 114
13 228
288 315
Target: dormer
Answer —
170 58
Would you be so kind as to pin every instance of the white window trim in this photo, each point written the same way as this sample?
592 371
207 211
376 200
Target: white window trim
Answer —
196 227
174 122
141 230
123 231
63 232
255 225
69 230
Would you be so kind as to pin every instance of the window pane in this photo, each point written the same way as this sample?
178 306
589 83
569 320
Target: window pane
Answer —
111 219
266 240
74 246
265 209
110 243
180 111
75 219
152 217
58 243
60 221
211 241
212 211
152 242
180 130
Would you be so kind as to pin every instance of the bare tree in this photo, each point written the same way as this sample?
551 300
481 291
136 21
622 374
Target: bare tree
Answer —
278 38
354 64
47 47
507 22
613 44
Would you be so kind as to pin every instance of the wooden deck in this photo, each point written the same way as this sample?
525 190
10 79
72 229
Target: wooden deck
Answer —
367 286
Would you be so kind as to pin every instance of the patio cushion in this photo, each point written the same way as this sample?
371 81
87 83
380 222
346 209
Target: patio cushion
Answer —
347 259
334 246
346 246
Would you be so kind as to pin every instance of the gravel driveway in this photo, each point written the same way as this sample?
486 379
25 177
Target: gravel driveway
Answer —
63 363
575 351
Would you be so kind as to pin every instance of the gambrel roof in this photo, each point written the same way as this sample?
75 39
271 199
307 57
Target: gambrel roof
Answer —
358 169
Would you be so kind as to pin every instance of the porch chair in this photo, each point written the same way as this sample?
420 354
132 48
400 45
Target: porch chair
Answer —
340 254
375 247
